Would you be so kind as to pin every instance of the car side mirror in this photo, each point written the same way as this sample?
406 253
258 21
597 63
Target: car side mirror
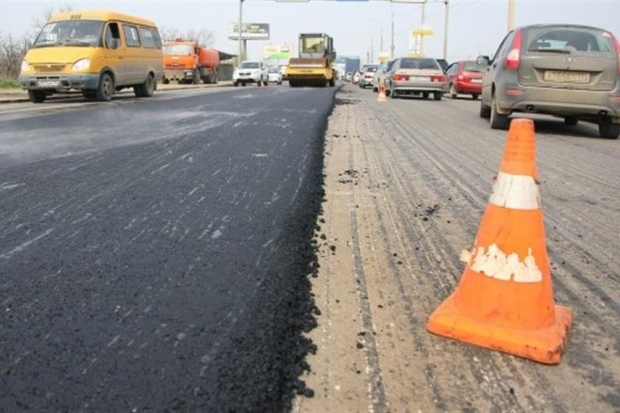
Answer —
483 60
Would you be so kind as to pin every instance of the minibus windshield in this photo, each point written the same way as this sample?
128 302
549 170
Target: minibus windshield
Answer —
85 33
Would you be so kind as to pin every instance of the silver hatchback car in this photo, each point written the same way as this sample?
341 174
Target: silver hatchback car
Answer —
567 71
417 76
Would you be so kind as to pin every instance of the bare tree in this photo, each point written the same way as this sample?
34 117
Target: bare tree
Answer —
168 33
39 21
204 37
12 49
12 55
2 58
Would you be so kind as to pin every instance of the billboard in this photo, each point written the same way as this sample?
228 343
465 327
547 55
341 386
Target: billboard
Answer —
277 52
249 31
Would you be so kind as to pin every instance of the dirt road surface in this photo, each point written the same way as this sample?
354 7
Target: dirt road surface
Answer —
406 184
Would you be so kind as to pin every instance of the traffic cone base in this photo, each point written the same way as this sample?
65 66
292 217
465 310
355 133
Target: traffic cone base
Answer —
381 97
544 345
504 300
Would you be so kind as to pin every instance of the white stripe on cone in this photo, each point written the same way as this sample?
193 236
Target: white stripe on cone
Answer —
515 192
494 263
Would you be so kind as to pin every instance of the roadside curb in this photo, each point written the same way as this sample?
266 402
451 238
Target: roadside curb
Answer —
21 96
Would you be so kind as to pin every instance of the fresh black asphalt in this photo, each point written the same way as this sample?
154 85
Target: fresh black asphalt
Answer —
155 254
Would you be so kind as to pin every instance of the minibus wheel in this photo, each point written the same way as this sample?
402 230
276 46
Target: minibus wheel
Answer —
89 94
36 96
105 90
146 89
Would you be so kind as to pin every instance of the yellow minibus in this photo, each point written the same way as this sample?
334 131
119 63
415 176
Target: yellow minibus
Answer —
95 52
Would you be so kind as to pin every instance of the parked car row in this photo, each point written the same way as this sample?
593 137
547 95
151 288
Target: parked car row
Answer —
562 70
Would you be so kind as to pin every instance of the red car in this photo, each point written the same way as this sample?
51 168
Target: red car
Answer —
465 77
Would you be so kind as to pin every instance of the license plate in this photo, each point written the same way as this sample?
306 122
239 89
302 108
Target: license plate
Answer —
476 81
48 83
566 77
421 79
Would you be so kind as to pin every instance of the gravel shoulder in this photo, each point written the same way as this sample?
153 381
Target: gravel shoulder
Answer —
406 183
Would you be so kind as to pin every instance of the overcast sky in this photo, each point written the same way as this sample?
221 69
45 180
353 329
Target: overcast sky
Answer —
475 26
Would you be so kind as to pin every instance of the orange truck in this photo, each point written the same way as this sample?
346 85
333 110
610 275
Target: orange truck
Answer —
187 62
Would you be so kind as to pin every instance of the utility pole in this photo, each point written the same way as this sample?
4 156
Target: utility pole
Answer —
381 42
446 23
240 31
422 28
392 41
511 14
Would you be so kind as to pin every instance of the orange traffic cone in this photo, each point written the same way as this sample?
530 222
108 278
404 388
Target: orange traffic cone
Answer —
505 300
381 97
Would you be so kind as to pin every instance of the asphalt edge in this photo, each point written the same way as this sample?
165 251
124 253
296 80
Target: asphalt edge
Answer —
20 98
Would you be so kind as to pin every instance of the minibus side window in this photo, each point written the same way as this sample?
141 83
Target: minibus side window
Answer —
132 38
112 36
158 44
147 38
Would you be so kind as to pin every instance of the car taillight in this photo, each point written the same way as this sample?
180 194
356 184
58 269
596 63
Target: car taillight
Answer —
438 78
617 51
460 77
514 56
401 77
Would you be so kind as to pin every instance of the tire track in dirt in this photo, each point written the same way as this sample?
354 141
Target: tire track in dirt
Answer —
439 246
419 188
610 382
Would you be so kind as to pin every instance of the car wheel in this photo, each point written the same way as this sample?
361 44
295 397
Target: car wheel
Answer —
36 96
474 96
235 84
393 94
609 130
425 95
105 90
498 121
571 120
485 111
453 93
437 95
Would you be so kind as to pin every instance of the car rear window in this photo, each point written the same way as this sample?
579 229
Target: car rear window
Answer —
569 39
474 67
412 63
371 69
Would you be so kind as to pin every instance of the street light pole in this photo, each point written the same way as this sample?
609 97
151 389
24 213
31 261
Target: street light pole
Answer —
445 29
422 28
240 58
392 39
511 14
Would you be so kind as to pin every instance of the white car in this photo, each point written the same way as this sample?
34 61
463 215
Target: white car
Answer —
251 71
275 76
283 71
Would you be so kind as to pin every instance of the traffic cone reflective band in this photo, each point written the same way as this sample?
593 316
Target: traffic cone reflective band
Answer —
504 300
381 97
